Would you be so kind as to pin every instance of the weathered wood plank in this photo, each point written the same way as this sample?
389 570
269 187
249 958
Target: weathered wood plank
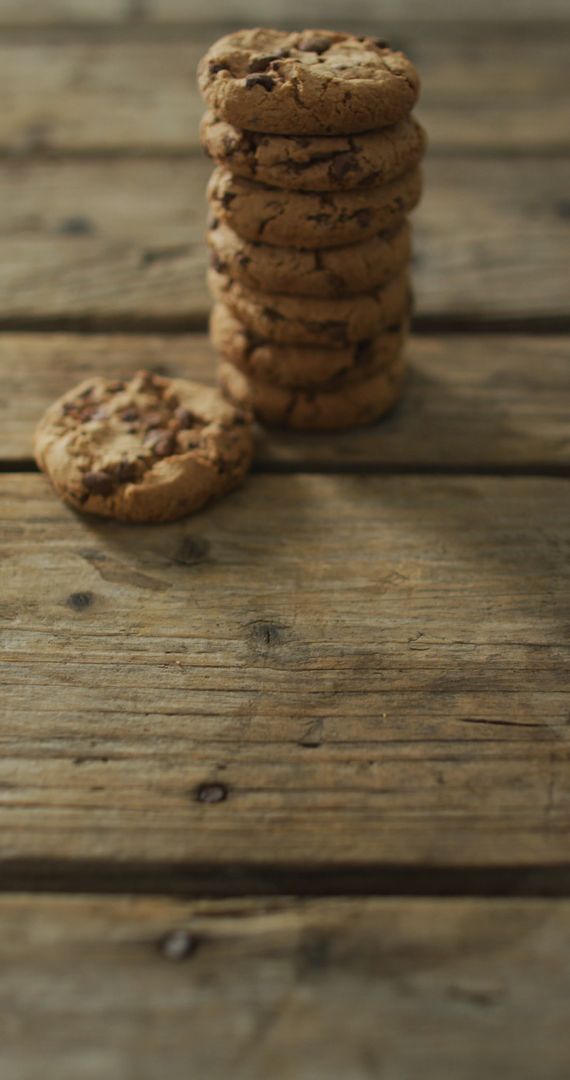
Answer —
121 242
268 12
498 88
471 401
372 668
291 990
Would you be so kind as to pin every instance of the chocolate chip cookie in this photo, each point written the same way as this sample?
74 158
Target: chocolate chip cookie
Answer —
326 272
143 449
317 162
304 219
307 320
298 365
316 82
349 404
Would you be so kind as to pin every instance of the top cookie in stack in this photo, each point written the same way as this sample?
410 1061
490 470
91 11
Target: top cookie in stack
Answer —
317 165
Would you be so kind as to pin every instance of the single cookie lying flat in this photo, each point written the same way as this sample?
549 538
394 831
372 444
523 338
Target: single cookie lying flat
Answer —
143 449
315 162
358 402
316 82
326 272
298 365
305 320
304 219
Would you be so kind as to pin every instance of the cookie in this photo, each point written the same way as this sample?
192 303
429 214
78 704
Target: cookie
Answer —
303 320
316 82
298 365
355 402
326 272
315 162
143 449
304 219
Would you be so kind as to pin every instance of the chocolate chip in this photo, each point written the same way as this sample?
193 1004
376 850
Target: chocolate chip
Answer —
261 63
126 471
86 415
227 198
335 331
342 165
266 81
130 414
317 45
380 43
215 65
363 218
183 417
164 444
98 483
218 264
362 352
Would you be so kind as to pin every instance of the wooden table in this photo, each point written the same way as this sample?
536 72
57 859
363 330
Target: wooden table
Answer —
284 787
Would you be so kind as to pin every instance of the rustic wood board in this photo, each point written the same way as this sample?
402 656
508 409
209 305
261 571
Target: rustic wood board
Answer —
121 242
472 401
501 88
448 988
373 667
268 12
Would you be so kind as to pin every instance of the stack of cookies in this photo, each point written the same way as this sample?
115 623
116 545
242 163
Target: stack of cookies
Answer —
317 161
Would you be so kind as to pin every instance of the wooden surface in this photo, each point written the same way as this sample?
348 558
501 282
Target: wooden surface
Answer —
495 87
99 242
349 678
428 724
475 402
269 12
418 988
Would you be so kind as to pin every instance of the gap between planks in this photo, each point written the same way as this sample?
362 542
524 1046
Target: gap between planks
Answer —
479 405
77 876
332 468
452 323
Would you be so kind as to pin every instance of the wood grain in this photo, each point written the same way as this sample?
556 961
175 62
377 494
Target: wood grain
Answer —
472 402
500 89
295 991
120 243
268 12
372 668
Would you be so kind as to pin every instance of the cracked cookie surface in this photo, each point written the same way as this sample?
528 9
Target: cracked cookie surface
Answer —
145 448
302 219
317 82
311 321
354 403
315 163
326 272
298 365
